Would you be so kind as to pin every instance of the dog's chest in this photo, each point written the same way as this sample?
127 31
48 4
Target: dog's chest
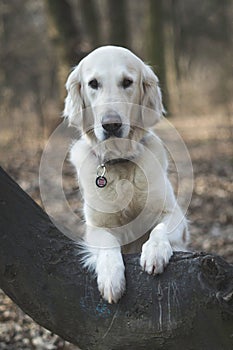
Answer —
127 184
121 200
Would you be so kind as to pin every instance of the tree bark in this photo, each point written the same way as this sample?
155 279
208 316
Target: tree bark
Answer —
69 39
90 15
189 306
118 31
156 45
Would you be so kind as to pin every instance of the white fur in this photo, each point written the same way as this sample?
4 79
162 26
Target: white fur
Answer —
138 195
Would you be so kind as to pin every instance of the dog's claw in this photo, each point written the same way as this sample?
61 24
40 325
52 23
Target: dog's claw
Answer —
155 256
111 286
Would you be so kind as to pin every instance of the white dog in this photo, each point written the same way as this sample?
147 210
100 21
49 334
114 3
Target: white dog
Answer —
114 99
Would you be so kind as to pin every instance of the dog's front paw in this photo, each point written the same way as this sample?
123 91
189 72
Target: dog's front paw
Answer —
110 271
111 283
155 256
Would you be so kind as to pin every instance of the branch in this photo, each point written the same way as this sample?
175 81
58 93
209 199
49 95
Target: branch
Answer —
189 305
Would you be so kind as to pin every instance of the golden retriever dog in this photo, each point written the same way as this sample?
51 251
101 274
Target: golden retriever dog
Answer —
114 100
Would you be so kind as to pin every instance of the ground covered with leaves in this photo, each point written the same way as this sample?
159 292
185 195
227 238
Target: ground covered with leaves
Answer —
209 141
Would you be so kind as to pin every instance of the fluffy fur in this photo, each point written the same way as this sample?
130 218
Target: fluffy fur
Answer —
137 209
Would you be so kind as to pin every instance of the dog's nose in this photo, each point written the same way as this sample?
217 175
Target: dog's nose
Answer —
111 122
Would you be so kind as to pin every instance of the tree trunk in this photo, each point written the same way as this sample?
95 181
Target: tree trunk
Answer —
156 45
118 23
91 19
69 37
189 306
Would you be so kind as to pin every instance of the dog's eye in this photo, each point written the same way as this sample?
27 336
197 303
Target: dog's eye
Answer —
126 83
93 84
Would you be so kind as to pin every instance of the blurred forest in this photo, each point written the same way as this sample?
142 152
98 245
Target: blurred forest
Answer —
189 44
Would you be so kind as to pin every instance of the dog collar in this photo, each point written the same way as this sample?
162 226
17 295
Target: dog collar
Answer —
116 161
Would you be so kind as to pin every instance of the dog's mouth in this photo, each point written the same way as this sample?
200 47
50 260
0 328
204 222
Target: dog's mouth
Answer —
114 133
116 146
103 133
111 125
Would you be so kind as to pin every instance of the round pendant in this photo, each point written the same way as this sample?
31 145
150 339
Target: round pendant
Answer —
101 181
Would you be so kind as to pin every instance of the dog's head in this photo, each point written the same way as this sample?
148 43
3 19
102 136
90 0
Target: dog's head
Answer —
113 94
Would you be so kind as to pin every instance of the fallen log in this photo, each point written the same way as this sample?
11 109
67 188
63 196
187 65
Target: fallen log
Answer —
189 306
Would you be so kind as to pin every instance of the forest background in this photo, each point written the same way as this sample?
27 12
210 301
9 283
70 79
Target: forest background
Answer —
189 45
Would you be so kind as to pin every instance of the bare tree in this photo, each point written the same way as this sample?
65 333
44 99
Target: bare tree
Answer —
119 34
156 44
90 15
28 70
69 37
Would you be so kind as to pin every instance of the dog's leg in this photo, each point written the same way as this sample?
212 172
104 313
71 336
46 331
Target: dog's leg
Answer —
102 254
169 235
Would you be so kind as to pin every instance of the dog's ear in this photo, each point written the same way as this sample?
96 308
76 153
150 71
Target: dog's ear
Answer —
151 97
74 103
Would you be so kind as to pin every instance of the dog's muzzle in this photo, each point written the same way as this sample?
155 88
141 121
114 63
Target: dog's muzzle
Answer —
112 124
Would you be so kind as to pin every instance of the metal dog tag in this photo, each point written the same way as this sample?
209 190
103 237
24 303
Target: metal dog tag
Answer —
101 180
